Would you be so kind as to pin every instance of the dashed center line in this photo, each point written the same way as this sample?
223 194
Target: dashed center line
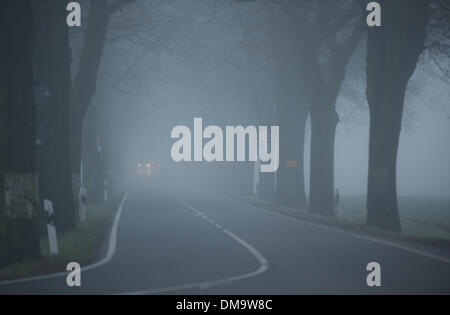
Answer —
262 261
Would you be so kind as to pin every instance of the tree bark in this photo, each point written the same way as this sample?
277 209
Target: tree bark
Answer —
290 187
324 120
322 92
321 185
85 81
3 240
382 193
52 60
392 56
292 113
84 86
19 228
300 190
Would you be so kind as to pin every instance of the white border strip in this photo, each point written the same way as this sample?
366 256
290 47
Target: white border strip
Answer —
109 255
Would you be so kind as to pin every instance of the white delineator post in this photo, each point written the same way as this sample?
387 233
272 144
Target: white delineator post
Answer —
105 191
82 198
52 238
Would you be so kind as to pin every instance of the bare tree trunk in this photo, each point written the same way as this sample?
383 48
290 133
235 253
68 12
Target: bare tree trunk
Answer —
86 79
292 115
85 83
382 193
322 91
392 56
323 128
52 74
89 154
266 183
300 191
3 240
324 120
290 188
20 229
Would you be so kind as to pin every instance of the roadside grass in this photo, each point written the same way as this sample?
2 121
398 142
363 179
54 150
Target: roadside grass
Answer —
423 219
81 245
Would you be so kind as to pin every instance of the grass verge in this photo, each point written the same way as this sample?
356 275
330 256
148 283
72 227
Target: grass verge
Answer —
82 245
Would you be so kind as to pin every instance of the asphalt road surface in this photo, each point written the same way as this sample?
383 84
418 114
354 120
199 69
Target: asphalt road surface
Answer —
190 243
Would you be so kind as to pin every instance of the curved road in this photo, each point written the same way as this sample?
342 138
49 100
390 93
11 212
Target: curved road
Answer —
189 243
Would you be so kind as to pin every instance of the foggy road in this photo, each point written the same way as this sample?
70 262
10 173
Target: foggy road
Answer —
189 243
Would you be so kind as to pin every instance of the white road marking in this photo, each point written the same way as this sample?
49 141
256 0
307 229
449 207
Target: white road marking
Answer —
112 239
262 261
109 254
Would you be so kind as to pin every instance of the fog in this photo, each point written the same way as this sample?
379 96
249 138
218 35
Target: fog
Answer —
234 147
218 62
423 153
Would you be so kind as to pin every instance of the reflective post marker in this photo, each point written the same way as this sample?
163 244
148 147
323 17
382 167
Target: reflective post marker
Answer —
82 200
52 238
105 191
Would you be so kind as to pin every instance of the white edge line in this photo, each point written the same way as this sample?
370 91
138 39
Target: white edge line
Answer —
263 266
356 235
109 255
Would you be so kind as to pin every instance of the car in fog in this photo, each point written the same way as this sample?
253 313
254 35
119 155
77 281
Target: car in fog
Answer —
148 168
